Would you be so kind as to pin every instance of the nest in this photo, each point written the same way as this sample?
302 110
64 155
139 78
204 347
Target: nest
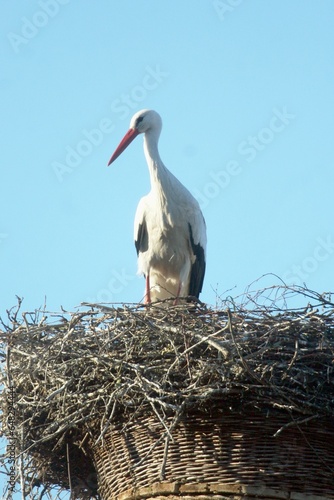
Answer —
79 376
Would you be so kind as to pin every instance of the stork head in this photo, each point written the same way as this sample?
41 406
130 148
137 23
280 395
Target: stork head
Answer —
144 121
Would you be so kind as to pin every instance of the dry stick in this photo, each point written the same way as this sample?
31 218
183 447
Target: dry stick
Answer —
168 437
294 356
294 423
44 490
162 473
151 448
58 391
65 427
8 372
297 423
167 440
314 450
104 430
160 419
244 364
216 344
21 468
68 468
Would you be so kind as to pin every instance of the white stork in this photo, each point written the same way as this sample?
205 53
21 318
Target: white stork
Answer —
169 229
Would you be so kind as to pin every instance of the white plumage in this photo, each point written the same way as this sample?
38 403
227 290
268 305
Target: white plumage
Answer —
169 229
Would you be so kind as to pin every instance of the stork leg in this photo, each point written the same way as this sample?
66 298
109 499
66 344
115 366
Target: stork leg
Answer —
177 295
148 290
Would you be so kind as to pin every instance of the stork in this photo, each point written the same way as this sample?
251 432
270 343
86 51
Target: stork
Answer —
169 228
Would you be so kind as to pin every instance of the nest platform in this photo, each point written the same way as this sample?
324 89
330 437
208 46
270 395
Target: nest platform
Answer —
174 401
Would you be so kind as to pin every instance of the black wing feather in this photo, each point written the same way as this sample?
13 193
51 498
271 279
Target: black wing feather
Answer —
198 268
141 243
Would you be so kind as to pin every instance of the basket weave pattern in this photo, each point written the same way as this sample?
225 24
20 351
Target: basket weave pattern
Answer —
226 448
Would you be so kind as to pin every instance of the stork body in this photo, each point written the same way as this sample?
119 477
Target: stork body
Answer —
169 230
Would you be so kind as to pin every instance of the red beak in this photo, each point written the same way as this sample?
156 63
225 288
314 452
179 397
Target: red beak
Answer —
127 139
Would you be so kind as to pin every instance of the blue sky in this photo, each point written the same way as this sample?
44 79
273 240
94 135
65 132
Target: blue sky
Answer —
245 91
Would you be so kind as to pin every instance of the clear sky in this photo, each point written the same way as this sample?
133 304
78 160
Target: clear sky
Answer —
245 91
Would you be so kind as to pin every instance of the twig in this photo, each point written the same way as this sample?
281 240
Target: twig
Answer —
294 423
244 363
69 468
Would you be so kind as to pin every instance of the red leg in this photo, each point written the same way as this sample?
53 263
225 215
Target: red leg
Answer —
178 294
148 290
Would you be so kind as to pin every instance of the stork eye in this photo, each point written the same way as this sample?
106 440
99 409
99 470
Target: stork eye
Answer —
139 119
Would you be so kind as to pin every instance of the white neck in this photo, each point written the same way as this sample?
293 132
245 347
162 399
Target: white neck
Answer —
159 174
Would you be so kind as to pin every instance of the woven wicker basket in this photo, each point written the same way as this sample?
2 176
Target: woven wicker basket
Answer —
224 454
